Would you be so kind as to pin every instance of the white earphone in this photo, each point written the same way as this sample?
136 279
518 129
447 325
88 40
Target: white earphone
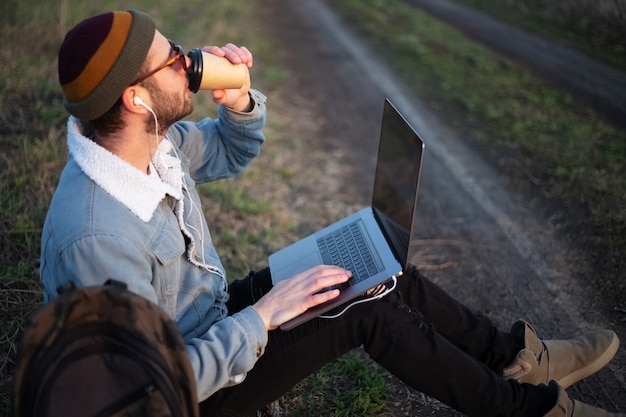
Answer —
139 102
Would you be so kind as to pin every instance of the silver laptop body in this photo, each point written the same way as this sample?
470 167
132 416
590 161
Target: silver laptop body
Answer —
374 242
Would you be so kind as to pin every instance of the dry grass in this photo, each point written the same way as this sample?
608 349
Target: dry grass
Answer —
31 126
17 302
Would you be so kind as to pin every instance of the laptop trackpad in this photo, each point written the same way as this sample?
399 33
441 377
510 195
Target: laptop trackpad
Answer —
300 264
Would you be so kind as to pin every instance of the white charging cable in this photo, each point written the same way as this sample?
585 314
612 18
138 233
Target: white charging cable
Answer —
363 300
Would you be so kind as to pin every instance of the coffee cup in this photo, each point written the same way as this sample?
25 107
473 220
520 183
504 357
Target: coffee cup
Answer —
210 72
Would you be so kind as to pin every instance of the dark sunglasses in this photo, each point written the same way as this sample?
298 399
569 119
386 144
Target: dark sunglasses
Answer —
180 56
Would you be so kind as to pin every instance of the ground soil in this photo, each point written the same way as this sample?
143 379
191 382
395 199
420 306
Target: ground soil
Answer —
492 240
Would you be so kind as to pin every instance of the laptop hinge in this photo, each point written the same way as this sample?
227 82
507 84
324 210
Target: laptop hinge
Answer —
398 236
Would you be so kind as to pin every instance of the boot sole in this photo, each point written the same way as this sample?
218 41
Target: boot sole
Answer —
593 367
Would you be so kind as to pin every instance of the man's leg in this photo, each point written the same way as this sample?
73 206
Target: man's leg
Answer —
518 354
289 356
398 338
474 334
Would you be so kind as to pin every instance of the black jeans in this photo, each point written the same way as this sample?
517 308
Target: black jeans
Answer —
418 333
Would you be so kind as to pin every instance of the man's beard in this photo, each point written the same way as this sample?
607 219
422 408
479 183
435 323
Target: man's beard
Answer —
168 108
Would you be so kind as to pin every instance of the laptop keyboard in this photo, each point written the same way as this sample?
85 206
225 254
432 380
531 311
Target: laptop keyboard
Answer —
348 249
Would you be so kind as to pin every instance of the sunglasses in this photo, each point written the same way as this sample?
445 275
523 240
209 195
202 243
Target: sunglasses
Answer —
180 56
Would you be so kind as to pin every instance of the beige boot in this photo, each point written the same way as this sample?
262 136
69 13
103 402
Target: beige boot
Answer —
566 361
566 407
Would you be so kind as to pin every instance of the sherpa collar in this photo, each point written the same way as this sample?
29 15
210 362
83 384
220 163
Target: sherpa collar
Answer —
139 192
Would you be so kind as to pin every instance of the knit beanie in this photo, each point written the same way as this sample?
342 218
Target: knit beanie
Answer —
100 57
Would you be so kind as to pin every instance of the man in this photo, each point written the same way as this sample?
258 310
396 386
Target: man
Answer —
126 208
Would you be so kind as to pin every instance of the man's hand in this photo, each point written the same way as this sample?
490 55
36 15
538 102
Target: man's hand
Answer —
292 297
236 99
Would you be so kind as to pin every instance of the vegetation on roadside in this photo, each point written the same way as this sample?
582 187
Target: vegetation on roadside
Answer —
594 27
569 152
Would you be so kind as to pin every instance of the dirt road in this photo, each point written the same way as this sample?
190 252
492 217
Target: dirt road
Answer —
500 252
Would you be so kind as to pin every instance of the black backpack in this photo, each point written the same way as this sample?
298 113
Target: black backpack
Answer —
103 351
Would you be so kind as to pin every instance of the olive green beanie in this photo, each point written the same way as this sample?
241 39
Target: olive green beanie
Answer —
100 57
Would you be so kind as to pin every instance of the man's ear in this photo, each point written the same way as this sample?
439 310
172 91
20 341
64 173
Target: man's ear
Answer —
130 101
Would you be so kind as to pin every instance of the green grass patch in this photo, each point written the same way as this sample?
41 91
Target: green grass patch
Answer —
347 387
239 222
237 199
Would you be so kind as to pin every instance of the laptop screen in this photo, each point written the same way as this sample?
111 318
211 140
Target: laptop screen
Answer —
398 168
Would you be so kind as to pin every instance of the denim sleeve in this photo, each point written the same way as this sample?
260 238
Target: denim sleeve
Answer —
223 147
241 336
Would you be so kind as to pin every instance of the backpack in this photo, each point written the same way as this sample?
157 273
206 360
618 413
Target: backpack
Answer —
103 351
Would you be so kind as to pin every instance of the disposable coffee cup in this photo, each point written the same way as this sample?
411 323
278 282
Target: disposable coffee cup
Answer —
210 72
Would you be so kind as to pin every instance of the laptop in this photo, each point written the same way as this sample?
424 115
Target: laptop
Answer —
373 243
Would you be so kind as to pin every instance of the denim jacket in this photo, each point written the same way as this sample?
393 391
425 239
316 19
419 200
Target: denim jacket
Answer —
109 220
